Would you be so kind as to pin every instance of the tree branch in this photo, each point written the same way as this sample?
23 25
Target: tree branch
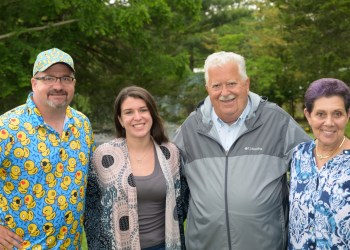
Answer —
38 28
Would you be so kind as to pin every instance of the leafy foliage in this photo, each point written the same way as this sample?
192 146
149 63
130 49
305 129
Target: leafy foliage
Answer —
113 45
316 34
159 45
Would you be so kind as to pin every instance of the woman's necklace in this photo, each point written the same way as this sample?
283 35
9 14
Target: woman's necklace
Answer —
320 156
140 159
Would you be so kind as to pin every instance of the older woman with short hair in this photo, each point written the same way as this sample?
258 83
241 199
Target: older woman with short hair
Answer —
320 172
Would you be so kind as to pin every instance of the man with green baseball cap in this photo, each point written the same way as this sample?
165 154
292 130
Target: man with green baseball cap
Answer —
45 147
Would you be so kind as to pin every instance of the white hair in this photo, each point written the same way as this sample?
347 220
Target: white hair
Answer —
222 58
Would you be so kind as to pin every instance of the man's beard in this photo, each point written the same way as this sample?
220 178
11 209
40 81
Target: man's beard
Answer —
57 106
52 104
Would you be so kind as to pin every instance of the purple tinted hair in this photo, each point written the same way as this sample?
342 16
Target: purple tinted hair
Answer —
326 87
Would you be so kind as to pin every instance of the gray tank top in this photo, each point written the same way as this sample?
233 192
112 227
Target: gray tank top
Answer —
151 194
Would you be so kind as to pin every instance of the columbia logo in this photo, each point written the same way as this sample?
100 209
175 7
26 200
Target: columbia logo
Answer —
253 149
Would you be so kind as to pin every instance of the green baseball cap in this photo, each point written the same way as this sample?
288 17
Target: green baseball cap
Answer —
50 57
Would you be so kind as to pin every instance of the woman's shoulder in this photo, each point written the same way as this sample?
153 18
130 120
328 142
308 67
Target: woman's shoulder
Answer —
115 144
110 153
303 147
169 150
306 144
170 146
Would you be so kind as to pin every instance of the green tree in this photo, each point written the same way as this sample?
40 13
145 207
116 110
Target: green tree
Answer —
317 34
267 54
212 32
113 44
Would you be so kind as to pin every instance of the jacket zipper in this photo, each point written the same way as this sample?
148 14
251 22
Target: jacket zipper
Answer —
226 204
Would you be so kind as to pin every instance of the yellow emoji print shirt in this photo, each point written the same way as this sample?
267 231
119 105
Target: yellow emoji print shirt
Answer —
43 177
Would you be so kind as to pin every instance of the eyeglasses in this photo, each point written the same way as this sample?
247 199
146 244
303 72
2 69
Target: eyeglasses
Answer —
50 80
219 86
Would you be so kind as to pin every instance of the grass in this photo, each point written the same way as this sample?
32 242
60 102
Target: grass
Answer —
84 244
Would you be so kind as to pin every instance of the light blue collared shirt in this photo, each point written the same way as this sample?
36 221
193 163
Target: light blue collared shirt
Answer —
228 133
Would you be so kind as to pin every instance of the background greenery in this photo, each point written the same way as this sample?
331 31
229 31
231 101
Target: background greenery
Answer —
84 245
159 44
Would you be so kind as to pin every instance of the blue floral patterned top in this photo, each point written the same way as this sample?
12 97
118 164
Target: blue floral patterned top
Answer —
319 216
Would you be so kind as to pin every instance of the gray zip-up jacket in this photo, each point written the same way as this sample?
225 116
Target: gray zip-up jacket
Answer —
238 199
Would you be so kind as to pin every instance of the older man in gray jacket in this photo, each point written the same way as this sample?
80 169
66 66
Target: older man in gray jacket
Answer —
237 148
